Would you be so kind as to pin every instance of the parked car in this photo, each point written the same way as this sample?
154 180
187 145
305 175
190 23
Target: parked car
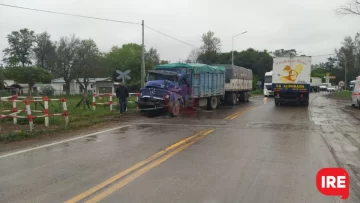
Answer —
331 89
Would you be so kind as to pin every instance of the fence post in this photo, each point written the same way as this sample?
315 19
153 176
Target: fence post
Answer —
14 109
28 111
66 113
94 101
110 102
46 110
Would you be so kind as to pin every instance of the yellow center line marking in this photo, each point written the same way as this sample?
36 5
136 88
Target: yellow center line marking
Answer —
237 114
143 170
131 169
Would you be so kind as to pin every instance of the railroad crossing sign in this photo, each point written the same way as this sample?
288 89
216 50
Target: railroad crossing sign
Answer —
123 75
341 83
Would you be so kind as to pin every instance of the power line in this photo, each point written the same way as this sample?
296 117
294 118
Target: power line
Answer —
69 14
170 36
323 55
96 18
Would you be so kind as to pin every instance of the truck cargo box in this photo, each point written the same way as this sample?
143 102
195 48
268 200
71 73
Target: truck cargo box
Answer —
204 80
237 78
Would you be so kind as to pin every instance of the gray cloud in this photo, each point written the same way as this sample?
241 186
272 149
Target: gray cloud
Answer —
310 26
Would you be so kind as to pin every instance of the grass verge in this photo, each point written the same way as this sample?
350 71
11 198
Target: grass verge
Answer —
343 95
79 118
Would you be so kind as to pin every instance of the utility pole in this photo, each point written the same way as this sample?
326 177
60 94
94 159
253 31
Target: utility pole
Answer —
142 58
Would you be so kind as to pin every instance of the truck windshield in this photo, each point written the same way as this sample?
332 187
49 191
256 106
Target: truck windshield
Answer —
268 79
158 76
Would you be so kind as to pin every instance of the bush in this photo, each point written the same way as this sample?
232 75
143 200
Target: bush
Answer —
4 93
47 91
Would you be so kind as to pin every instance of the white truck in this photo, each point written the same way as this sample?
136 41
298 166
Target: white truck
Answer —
291 79
268 89
315 83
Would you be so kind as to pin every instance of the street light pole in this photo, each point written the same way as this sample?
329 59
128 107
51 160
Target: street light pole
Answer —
232 47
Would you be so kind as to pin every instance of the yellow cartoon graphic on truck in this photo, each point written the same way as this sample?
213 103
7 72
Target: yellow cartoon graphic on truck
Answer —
291 75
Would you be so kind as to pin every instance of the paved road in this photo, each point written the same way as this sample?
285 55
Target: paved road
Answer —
251 153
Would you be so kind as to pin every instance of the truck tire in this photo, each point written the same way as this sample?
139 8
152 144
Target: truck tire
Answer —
246 96
174 109
212 103
233 99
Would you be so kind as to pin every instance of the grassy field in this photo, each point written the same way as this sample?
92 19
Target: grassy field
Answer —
341 95
256 92
78 117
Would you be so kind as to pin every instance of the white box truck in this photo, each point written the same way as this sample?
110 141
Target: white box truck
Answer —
291 79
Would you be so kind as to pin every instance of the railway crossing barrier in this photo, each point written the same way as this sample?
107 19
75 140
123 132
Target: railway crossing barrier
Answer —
13 113
109 102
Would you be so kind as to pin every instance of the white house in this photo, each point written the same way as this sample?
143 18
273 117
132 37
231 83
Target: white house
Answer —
95 85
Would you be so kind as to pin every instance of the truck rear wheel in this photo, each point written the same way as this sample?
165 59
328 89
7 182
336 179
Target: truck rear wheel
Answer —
246 96
233 99
212 103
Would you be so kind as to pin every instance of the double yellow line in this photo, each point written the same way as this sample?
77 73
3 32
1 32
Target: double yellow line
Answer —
138 169
239 113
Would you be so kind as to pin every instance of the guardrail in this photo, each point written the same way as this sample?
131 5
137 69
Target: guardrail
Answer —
28 100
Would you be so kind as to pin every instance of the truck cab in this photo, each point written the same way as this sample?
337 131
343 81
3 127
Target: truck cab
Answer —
164 90
268 89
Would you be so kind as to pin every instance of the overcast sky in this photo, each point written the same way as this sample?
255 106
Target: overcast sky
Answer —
309 26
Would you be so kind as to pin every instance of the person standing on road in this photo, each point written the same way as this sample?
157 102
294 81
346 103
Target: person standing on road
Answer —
122 93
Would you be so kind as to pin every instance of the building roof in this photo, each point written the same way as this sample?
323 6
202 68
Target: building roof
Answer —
61 80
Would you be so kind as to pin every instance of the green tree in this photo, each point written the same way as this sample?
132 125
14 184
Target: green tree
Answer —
194 55
44 51
29 75
210 48
86 65
285 52
66 55
2 79
19 50
128 57
164 62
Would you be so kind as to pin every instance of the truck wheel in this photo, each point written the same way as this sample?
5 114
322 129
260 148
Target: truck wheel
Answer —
174 110
246 95
233 99
212 103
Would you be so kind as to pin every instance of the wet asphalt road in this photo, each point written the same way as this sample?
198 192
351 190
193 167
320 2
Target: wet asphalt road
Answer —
254 152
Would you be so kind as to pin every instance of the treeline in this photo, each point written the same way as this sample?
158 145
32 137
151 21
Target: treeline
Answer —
348 55
32 57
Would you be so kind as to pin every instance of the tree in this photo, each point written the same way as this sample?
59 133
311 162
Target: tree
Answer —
44 51
152 56
283 52
66 55
164 62
194 55
352 8
346 57
20 43
86 65
211 46
128 57
29 75
2 79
